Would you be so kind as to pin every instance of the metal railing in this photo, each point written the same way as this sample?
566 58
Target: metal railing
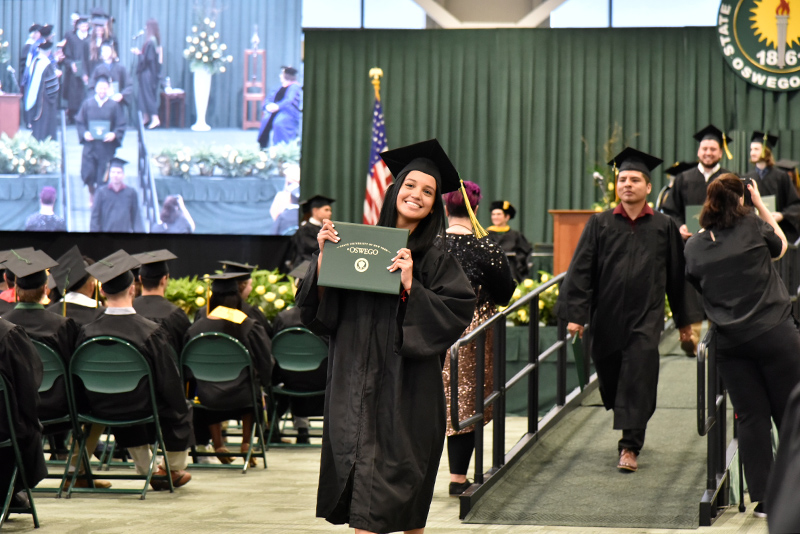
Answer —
146 182
496 400
66 197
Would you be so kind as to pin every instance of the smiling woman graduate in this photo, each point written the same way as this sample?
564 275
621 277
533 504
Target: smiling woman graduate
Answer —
384 403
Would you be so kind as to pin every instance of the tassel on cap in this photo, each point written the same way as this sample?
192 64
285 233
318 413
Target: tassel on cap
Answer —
477 229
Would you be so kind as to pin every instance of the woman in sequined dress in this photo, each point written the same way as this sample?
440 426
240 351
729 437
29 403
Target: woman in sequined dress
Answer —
485 264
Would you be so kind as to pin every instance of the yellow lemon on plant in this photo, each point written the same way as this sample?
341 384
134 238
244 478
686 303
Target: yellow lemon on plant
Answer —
272 278
528 283
261 290
270 296
199 290
280 304
282 290
517 294
200 302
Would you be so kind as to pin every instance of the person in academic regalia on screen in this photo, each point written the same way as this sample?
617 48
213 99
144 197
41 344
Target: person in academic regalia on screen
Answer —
282 111
627 259
99 109
512 242
151 340
76 288
76 61
34 36
41 94
304 241
147 73
154 275
384 426
116 206
775 182
121 88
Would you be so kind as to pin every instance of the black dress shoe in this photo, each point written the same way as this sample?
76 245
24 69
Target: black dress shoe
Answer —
20 501
457 488
302 436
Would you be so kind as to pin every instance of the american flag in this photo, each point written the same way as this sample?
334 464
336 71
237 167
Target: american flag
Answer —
378 177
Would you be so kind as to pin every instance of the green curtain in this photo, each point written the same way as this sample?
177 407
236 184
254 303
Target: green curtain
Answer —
279 27
525 112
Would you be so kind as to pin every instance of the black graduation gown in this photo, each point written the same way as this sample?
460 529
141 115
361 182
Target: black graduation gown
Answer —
688 189
251 311
43 115
97 153
5 306
76 52
783 514
116 73
616 282
776 182
174 411
304 243
165 313
384 403
80 314
234 394
116 211
517 250
58 333
147 72
22 370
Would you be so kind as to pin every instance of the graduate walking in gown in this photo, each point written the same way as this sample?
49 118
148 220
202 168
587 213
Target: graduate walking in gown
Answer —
384 403
147 73
626 260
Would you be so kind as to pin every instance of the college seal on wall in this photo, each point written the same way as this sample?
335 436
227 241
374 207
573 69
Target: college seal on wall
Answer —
760 40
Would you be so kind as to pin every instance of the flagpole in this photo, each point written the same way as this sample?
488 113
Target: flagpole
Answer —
376 74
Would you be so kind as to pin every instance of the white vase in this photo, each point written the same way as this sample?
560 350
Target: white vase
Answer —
202 89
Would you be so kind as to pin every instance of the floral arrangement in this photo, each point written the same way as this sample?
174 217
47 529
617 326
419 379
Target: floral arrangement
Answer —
210 160
204 49
22 154
5 51
547 301
188 293
272 292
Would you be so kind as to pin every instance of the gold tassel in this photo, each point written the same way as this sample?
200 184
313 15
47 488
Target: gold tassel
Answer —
725 146
97 293
477 229
208 297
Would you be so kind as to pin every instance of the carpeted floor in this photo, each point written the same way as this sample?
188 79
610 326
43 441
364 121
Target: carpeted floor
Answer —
569 477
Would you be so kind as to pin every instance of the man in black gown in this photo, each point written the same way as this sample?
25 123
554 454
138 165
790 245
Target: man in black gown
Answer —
76 288
304 240
120 86
150 339
154 275
101 125
76 61
116 206
774 182
626 260
41 94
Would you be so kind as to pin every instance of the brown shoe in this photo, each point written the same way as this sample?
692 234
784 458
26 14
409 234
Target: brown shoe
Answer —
82 483
221 455
627 460
179 478
690 348
244 448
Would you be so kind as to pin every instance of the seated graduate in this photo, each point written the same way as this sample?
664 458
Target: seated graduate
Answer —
76 287
58 333
227 317
22 370
302 408
244 279
514 244
304 240
150 339
154 276
8 297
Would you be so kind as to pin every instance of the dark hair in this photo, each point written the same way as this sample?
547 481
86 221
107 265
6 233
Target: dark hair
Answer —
170 210
428 231
722 208
229 300
30 295
152 30
455 200
150 282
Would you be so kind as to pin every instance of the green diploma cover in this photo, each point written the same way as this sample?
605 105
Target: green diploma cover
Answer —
360 259
692 217
99 129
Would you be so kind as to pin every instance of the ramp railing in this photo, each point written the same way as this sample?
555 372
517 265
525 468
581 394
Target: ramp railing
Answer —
147 184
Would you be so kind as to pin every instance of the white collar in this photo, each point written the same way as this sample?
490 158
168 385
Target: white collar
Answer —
100 102
120 311
708 174
73 297
314 221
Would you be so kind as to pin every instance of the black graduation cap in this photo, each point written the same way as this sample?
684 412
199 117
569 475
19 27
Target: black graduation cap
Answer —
46 30
317 201
238 268
70 273
154 263
117 162
102 78
114 271
225 282
82 18
680 167
765 138
30 268
291 71
428 157
787 164
47 45
5 254
34 28
300 271
712 132
504 205
631 159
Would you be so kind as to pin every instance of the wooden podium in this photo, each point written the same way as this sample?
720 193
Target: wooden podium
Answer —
567 228
9 113
255 87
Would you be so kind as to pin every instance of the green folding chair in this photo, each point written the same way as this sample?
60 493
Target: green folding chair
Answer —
19 469
54 370
296 349
218 357
109 365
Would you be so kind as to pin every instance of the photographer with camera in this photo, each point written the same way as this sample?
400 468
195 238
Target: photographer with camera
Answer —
758 345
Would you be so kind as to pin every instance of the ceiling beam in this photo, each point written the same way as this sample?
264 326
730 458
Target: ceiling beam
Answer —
539 14
439 14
